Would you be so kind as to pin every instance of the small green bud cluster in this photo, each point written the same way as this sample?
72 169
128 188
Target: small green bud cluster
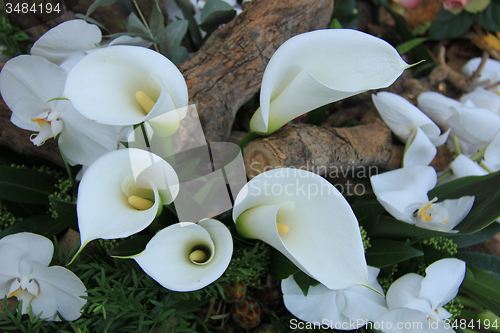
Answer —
6 218
386 281
454 307
441 244
366 239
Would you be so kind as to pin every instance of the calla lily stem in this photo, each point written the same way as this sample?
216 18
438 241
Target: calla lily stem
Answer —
249 137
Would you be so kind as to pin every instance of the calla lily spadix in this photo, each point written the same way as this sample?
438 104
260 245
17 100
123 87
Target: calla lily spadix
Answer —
307 219
24 274
337 308
320 67
419 300
403 193
187 256
411 126
30 86
122 192
127 85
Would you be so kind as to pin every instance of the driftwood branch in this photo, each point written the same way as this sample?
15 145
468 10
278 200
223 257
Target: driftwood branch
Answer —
362 150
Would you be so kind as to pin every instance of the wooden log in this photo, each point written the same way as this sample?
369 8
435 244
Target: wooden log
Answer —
362 150
228 68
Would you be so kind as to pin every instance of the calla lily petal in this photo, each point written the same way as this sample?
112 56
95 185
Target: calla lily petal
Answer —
104 204
68 39
463 166
320 67
442 281
403 191
104 86
168 255
421 150
314 219
437 107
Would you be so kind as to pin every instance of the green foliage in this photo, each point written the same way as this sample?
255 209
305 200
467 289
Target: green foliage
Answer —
486 262
304 281
6 218
441 244
385 280
454 307
248 264
345 15
15 40
366 239
386 252
215 13
407 46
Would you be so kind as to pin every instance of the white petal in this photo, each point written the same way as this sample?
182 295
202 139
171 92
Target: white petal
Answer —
442 280
462 166
409 321
475 125
27 83
166 257
457 209
10 256
421 150
102 207
437 107
68 39
60 291
401 116
36 248
403 291
403 191
320 67
492 153
320 221
104 84
483 98
491 70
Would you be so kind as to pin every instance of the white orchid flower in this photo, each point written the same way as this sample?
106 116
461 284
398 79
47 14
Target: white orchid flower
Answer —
492 154
403 193
24 274
483 98
462 166
490 73
122 192
411 126
337 308
320 67
437 107
127 85
305 218
29 86
187 256
70 41
419 301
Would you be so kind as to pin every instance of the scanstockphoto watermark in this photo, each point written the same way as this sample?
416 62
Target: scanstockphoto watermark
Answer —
355 324
344 185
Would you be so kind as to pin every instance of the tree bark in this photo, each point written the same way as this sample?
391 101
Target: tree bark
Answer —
362 150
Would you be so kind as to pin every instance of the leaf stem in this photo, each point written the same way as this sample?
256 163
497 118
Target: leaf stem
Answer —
457 145
250 136
143 19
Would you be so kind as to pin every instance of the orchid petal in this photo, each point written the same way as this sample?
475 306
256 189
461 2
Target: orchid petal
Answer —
437 107
463 166
442 280
457 209
483 98
167 255
27 83
490 72
421 150
68 39
409 321
492 153
103 85
403 191
320 67
403 291
474 125
319 219
102 207
60 291
36 248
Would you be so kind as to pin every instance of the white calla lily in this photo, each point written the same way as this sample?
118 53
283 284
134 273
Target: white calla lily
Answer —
126 85
122 192
25 89
411 126
403 193
320 67
304 217
24 274
187 256
419 301
337 308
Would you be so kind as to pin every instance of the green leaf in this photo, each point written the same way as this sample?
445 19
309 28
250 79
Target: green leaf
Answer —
304 281
486 208
194 30
135 25
482 283
42 225
67 212
215 13
489 18
484 301
26 185
316 117
91 21
280 267
449 26
174 33
131 246
345 15
99 3
477 237
407 46
156 20
368 214
487 262
386 252
389 227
